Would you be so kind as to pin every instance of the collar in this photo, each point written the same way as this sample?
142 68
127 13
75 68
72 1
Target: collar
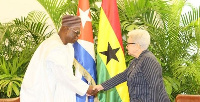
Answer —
143 52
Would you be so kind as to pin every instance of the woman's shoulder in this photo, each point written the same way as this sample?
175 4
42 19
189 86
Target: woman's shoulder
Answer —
149 57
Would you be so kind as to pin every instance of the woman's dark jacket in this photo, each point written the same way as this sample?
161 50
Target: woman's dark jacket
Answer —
144 80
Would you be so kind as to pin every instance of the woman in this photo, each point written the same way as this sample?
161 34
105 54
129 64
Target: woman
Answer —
144 74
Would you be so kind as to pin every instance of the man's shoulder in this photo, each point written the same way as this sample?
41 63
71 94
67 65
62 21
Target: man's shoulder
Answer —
52 41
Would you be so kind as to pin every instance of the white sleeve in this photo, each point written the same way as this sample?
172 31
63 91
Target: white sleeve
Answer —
64 74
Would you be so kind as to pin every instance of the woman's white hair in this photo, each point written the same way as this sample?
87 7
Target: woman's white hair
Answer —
140 37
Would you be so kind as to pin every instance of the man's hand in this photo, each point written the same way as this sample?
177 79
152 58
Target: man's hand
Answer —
91 91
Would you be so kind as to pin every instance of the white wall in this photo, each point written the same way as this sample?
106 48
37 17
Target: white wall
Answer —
11 9
195 3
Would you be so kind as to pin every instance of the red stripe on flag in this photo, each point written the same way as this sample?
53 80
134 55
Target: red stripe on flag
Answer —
111 11
86 32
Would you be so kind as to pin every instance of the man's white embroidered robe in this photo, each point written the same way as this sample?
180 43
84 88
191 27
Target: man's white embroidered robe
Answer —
49 76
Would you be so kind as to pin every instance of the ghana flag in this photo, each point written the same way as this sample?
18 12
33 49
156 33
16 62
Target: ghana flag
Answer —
110 53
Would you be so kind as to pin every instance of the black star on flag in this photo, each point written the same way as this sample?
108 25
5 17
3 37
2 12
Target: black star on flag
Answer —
110 53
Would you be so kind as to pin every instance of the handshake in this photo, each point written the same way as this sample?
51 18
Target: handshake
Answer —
93 90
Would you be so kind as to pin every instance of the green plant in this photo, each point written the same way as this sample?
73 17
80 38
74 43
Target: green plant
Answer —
13 70
172 35
19 41
171 32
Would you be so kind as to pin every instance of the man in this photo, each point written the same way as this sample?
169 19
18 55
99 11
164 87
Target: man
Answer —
49 76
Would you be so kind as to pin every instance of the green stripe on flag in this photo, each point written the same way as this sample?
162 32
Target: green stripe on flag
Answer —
109 95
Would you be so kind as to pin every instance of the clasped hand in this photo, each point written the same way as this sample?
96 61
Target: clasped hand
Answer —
93 90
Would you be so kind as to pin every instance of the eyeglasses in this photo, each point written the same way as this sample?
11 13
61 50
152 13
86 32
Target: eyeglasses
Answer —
77 32
130 43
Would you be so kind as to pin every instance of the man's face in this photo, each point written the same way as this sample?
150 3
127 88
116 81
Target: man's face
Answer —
73 34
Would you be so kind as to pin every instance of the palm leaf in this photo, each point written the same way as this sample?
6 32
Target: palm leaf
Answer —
2 32
56 9
36 29
152 19
190 17
15 89
37 16
9 89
